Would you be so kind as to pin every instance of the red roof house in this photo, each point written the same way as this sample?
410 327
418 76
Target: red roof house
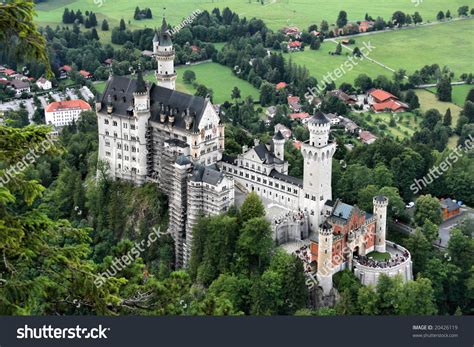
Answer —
300 115
280 85
294 103
85 74
380 95
294 45
66 68
390 105
367 137
9 72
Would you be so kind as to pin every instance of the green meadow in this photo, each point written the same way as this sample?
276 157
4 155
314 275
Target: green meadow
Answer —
276 13
459 93
450 44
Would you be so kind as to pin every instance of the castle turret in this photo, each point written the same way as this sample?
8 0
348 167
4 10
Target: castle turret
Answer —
325 267
279 145
317 153
380 212
140 95
163 52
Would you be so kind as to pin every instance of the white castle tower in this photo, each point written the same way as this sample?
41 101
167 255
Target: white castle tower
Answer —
380 212
163 52
325 267
141 98
279 145
317 154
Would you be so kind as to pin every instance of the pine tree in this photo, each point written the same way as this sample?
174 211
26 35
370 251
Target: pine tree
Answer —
470 95
444 89
105 25
122 25
338 49
447 120
448 14
93 19
66 16
148 14
440 16
136 16
94 34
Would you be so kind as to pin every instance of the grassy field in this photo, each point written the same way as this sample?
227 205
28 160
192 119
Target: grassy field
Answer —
276 13
215 76
406 123
459 93
444 44
428 100
320 63
379 256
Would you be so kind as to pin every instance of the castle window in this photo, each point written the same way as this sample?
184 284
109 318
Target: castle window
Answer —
107 154
106 121
132 126
107 133
114 123
125 125
119 156
115 134
107 143
125 137
119 145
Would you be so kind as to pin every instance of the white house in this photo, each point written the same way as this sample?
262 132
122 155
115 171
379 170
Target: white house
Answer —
44 84
61 113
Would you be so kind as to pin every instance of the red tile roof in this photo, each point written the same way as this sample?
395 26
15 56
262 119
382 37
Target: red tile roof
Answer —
280 85
67 68
367 136
294 44
293 99
85 73
392 105
300 115
68 104
297 144
9 72
382 95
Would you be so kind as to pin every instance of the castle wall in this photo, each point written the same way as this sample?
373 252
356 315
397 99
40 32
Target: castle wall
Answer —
370 276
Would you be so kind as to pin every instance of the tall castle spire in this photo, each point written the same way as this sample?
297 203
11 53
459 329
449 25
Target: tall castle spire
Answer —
164 54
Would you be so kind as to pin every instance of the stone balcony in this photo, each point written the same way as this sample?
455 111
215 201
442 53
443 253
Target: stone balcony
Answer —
369 270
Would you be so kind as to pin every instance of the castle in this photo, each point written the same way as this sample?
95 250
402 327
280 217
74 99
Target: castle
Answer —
151 132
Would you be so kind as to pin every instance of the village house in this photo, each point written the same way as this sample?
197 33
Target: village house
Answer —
284 131
108 62
301 116
64 71
280 85
449 208
43 84
292 31
367 137
271 112
345 98
86 74
294 46
20 87
381 101
294 103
